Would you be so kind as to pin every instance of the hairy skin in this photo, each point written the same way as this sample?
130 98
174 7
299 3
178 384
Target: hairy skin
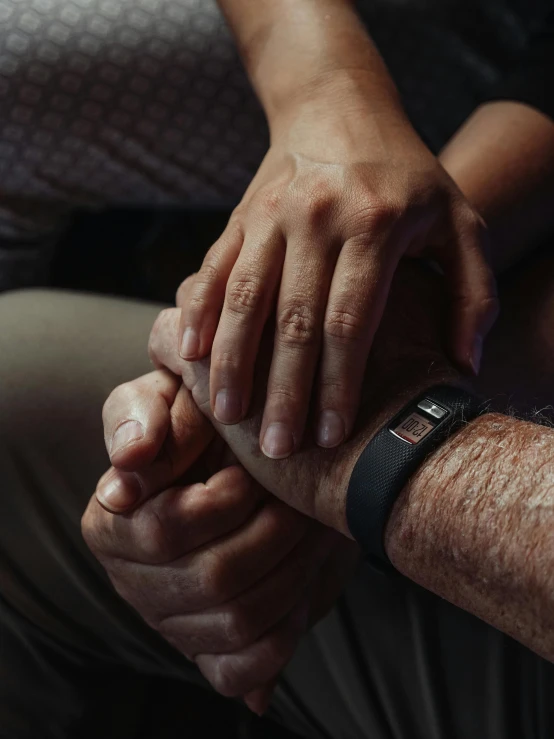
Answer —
476 526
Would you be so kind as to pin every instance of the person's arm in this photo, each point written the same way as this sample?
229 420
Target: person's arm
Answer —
346 189
502 159
289 46
476 526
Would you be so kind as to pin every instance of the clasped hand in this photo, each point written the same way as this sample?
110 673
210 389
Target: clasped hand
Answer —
233 566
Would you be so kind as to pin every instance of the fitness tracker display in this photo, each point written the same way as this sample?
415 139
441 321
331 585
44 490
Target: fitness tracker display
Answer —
391 458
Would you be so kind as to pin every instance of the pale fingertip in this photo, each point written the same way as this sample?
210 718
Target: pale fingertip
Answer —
331 429
116 495
228 406
278 441
190 344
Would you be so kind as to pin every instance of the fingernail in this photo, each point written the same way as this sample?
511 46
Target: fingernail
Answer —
125 434
190 344
228 406
477 354
330 430
115 494
278 441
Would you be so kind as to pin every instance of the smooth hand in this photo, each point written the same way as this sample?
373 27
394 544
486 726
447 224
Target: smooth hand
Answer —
406 358
342 195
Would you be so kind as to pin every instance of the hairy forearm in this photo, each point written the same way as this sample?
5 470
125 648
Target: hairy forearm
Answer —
476 526
503 161
292 47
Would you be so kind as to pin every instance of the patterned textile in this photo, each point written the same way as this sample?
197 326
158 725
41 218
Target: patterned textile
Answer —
119 101
145 102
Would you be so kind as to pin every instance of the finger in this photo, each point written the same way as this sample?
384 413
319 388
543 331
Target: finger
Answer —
175 522
136 418
161 349
258 700
188 435
201 310
242 621
473 290
183 291
303 294
162 340
214 574
248 299
236 674
357 300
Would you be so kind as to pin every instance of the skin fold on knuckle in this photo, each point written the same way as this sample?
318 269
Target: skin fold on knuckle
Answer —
344 325
297 326
369 216
201 290
244 296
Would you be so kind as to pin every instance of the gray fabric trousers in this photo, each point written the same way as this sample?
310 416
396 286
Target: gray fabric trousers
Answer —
391 661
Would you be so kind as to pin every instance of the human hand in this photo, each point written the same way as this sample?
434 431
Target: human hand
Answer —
226 573
406 358
341 196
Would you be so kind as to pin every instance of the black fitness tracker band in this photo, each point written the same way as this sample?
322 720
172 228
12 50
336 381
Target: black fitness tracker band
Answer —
391 458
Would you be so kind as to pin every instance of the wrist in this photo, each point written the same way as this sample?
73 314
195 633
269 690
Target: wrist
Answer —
334 101
434 508
403 387
306 50
352 93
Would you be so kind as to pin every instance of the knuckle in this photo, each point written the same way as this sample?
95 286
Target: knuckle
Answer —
344 324
236 218
213 579
209 274
318 204
244 295
225 361
204 282
237 629
279 518
153 543
183 289
297 326
270 200
382 215
285 397
368 215
199 507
